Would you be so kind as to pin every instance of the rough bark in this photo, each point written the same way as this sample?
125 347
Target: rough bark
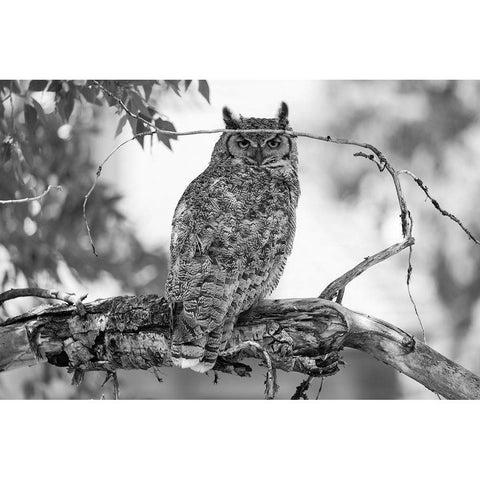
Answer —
302 335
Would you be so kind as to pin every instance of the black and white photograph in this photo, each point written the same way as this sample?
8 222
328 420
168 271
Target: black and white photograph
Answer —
144 258
239 240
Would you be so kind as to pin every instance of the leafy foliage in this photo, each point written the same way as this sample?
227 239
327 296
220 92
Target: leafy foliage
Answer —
45 129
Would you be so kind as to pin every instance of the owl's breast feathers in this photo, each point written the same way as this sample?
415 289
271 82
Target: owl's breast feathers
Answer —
231 236
233 220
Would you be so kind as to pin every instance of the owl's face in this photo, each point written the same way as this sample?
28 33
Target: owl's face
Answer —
260 151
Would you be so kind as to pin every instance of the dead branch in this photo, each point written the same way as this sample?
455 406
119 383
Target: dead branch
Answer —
435 203
134 333
341 282
69 298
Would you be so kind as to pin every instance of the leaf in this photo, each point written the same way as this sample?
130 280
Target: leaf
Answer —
66 103
204 89
31 117
152 112
147 88
162 137
120 126
110 100
140 129
173 84
133 123
15 86
70 102
89 93
39 110
27 154
138 105
37 85
55 86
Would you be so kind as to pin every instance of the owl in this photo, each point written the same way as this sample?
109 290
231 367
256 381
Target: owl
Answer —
232 232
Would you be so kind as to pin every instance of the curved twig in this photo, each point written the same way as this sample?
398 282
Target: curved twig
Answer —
97 176
30 199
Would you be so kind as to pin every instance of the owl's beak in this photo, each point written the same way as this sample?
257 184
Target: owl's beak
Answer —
259 156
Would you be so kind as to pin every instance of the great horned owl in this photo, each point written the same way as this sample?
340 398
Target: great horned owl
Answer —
232 232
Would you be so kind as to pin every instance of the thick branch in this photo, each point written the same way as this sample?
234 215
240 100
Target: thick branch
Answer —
303 335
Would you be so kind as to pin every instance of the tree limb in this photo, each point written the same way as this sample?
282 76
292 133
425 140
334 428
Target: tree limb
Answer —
70 298
341 282
303 335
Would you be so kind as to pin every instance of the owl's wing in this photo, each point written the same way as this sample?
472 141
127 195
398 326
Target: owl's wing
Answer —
199 286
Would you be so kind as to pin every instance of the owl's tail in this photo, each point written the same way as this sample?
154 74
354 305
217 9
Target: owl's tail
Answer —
187 355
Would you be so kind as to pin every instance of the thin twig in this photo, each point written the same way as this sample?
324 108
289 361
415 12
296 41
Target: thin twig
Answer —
434 202
116 390
6 98
30 199
409 277
78 376
322 379
340 295
156 372
97 176
12 118
271 386
69 298
302 389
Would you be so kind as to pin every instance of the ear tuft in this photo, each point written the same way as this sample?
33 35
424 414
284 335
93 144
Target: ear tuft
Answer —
230 121
283 116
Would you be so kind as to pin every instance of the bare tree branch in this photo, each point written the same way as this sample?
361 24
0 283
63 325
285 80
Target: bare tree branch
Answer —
434 202
69 298
134 333
341 282
30 199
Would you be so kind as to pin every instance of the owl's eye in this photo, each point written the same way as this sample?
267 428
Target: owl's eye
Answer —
243 143
273 143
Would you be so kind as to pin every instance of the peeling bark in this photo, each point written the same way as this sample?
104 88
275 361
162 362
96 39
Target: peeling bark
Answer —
302 335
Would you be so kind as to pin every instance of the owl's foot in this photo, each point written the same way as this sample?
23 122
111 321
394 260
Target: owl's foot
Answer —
271 386
321 366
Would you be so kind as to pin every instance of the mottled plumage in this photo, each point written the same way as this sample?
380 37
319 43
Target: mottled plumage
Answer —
232 232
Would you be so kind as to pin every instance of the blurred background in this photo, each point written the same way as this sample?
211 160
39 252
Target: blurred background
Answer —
58 132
